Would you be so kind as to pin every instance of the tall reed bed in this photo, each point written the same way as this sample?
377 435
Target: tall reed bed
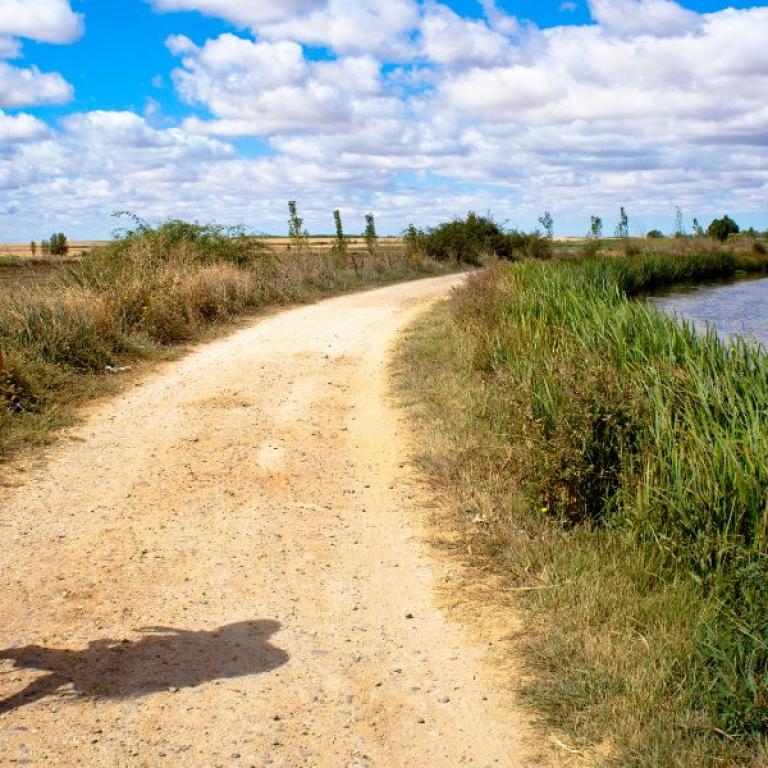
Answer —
618 461
147 290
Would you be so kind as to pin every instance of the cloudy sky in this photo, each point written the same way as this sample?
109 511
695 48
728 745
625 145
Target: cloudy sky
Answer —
417 110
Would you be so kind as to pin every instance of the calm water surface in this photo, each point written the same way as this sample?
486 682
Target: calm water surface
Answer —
738 307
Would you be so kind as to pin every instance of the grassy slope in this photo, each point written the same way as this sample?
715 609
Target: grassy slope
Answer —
139 299
612 464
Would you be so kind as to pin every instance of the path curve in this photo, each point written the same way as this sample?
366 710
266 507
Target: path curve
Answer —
222 567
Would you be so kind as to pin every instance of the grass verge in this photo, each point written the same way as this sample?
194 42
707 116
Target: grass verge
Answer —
141 297
610 465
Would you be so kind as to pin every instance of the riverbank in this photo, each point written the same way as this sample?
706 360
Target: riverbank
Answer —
608 467
141 298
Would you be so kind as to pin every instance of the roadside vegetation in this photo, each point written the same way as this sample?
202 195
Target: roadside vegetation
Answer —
608 471
150 289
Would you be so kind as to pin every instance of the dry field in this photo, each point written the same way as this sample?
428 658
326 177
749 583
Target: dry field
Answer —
23 250
80 247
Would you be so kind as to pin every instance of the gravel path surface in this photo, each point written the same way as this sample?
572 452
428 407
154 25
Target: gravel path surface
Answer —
223 567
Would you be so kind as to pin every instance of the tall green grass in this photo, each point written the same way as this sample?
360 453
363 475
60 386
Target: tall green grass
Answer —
620 462
148 290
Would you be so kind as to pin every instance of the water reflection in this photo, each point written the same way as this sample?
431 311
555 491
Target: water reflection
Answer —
733 308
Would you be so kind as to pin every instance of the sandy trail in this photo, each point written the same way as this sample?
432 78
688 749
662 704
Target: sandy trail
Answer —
223 568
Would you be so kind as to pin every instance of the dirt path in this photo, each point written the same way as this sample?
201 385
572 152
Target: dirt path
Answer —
223 568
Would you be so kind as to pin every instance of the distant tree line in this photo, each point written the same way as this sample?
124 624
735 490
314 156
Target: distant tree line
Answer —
56 245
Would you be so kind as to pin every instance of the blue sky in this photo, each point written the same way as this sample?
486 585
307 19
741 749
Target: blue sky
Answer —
224 109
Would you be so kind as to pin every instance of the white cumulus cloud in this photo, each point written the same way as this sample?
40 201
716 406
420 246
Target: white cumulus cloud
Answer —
19 128
28 87
49 21
245 13
263 88
449 39
639 17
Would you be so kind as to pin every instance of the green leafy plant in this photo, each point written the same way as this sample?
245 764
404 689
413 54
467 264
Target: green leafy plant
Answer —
722 229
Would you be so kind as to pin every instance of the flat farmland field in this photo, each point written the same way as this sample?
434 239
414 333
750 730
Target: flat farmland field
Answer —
24 250
278 244
28 271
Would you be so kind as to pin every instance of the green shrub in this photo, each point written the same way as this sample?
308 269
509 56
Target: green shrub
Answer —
58 245
415 244
472 240
529 245
722 229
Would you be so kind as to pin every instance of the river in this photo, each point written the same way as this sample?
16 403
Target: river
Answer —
734 307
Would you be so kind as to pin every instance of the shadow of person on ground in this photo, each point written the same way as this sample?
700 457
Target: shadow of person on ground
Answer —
162 659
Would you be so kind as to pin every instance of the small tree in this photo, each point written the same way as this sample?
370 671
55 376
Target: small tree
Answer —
547 224
371 238
339 249
59 245
33 248
655 234
595 227
296 231
679 222
622 228
698 230
722 229
414 242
